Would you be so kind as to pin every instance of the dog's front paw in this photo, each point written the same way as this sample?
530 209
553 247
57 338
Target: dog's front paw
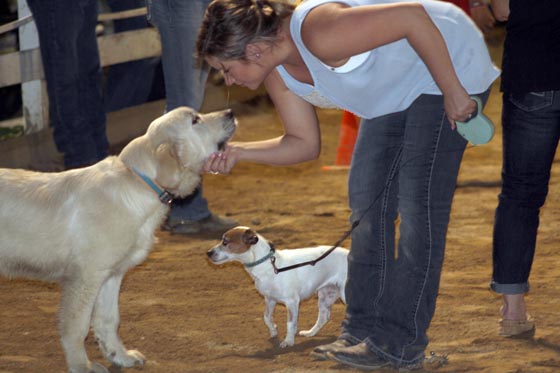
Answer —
273 330
287 343
307 333
98 368
89 368
129 359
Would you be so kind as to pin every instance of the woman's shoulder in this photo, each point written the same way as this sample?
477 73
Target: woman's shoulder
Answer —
306 6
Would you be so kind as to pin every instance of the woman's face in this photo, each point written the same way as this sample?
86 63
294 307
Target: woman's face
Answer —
247 73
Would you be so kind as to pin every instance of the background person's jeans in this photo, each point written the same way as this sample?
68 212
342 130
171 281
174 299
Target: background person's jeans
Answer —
74 79
409 161
130 83
178 22
531 129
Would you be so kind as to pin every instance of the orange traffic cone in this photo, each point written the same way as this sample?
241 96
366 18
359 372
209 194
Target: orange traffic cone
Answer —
346 140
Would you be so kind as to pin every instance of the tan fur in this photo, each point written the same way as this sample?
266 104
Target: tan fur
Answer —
85 228
238 239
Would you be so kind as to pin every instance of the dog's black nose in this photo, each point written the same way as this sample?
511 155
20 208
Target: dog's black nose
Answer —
209 253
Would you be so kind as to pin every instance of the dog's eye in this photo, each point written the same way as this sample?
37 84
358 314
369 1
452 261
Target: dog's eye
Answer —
196 120
225 242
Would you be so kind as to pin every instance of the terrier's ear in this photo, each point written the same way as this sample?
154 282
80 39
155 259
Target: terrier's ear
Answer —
250 237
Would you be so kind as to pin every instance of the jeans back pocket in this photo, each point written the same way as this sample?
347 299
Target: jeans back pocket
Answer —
531 101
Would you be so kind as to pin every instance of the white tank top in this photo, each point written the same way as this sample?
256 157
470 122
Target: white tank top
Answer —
389 78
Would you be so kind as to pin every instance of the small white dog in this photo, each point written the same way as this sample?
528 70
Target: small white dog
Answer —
85 228
327 277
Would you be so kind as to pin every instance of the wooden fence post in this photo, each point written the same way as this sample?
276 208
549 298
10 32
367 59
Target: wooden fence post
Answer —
34 94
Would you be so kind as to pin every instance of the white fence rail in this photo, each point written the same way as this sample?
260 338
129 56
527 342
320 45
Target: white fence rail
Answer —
25 67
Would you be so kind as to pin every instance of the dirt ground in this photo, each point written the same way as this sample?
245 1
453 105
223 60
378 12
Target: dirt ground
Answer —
188 315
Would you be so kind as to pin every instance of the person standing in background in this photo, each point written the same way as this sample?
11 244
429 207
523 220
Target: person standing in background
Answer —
73 75
177 22
531 129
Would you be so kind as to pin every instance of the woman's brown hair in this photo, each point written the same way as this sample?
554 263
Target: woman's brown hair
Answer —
229 25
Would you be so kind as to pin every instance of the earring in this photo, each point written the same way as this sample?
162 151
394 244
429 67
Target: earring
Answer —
258 55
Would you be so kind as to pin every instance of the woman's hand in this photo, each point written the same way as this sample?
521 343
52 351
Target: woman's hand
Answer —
500 8
223 161
483 18
459 107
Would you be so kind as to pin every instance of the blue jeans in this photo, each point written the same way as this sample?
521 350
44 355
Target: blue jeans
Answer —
531 129
177 22
73 75
129 83
404 165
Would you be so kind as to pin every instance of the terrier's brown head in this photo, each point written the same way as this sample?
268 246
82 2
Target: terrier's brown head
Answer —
235 242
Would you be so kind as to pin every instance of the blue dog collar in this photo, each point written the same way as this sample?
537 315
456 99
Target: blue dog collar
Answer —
261 260
164 196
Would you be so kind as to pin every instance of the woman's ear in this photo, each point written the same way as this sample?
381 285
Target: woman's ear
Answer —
253 52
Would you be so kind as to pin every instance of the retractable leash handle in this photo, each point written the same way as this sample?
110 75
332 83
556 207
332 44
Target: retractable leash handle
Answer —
478 130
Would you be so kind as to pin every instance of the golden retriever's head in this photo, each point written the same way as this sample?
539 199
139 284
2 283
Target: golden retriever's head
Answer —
176 146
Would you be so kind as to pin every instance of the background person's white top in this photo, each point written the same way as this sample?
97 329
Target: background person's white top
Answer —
389 78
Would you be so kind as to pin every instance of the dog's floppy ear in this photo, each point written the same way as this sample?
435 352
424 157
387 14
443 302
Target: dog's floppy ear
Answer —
170 134
250 237
170 127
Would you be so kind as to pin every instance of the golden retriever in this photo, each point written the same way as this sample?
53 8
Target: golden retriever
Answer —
85 228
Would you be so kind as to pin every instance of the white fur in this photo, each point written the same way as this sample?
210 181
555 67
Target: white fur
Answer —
327 277
85 228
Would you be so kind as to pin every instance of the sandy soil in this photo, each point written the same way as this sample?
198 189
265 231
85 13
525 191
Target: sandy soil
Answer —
188 315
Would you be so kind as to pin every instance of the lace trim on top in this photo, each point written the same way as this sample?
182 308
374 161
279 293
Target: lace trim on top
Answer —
317 99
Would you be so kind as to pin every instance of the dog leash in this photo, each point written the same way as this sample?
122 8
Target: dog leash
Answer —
355 224
314 261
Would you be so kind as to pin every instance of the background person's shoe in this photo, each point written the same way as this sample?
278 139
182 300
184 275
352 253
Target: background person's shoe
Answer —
215 223
181 226
210 224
